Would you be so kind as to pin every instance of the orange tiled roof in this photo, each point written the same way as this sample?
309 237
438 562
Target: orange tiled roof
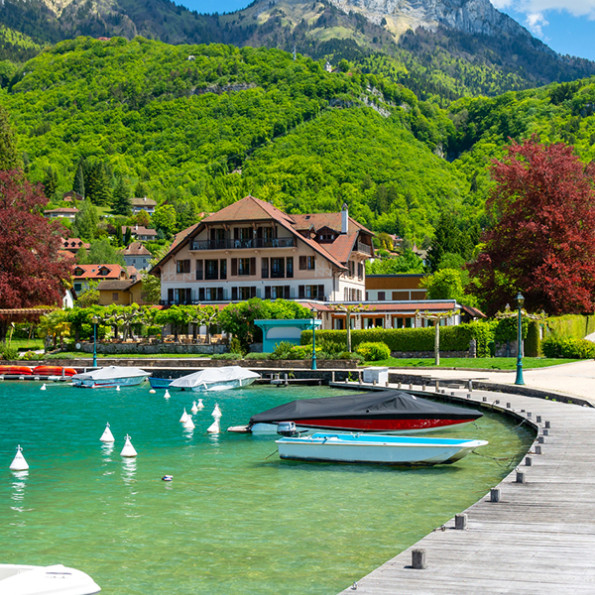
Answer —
136 249
98 271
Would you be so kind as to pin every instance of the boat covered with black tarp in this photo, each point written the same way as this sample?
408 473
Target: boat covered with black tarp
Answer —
382 411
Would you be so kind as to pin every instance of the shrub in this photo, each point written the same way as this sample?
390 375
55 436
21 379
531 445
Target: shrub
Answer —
356 357
8 352
282 350
30 355
154 331
373 351
533 340
257 356
228 356
568 348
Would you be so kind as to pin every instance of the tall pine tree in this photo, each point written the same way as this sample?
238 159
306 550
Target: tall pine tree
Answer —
122 205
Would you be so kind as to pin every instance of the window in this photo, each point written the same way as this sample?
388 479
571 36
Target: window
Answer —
381 296
210 294
115 297
247 292
311 291
307 263
223 268
182 266
246 266
277 267
278 291
289 267
211 269
78 287
199 270
265 268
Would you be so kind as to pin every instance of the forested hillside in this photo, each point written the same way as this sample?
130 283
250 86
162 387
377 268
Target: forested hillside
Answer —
199 126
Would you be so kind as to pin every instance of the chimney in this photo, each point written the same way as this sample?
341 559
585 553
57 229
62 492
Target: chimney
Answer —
344 218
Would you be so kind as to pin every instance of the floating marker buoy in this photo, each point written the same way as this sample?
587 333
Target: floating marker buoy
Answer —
107 435
184 417
152 391
216 412
199 404
167 395
128 450
188 424
194 408
167 478
19 463
118 387
214 427
43 387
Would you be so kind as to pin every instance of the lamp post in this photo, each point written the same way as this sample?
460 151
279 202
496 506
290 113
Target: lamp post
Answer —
94 320
520 300
313 312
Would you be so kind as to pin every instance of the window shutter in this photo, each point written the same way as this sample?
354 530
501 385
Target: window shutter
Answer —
267 293
301 291
286 292
313 262
289 267
320 293
234 293
223 268
199 270
201 294
234 268
253 267
265 268
303 265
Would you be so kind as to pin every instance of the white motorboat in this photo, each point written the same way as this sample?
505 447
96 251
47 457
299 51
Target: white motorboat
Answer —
375 448
216 379
20 579
110 377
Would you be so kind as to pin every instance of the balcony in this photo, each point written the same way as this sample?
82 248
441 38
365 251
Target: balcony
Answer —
364 249
242 244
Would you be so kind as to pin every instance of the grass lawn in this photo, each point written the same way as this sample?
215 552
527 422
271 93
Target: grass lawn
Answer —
487 363
27 344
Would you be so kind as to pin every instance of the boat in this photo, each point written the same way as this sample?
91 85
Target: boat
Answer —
20 579
160 382
388 411
110 377
7 370
53 371
216 379
376 448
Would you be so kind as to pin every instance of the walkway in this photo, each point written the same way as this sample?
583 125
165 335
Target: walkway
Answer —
540 536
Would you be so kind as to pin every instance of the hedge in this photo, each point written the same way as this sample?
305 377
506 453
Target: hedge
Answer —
569 348
571 326
452 338
533 340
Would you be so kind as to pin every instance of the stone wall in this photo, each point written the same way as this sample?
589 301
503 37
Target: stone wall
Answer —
153 348
427 354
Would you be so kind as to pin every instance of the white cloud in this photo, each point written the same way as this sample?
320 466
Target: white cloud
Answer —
577 8
535 23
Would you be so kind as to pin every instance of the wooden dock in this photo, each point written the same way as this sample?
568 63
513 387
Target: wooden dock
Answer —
538 538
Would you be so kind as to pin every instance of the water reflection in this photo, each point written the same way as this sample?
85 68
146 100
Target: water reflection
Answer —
129 470
19 483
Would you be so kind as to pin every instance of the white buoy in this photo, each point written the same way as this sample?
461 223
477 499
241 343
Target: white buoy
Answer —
216 412
199 404
184 417
194 408
214 427
188 424
152 391
43 387
118 387
128 450
166 395
19 463
107 435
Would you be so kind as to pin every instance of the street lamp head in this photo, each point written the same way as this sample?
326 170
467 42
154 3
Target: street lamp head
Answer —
95 319
520 300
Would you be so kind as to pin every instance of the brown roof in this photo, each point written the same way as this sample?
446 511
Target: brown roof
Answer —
136 249
402 306
248 208
74 244
330 220
116 285
139 230
62 210
143 202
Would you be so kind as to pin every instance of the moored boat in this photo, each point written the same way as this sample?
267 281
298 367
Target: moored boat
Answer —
53 371
7 370
110 377
216 379
20 579
375 448
389 411
160 382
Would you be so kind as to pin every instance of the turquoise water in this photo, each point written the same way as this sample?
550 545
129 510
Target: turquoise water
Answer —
235 518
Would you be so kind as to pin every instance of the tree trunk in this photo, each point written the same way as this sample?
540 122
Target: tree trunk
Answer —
348 323
437 344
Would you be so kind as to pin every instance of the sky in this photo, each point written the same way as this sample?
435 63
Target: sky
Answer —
567 26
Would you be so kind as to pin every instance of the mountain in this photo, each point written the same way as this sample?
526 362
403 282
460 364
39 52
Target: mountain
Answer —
439 48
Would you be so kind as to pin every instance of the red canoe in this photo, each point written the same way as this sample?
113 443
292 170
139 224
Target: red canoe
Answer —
15 371
53 371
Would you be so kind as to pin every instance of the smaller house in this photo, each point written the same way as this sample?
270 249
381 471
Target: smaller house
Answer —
73 245
407 286
143 204
138 232
63 212
72 196
120 293
83 274
136 255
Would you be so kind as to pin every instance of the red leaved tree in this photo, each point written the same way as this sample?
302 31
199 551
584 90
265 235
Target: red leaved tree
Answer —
31 272
542 242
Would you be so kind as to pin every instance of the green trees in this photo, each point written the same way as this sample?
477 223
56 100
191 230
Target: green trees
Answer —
121 199
164 219
86 221
8 151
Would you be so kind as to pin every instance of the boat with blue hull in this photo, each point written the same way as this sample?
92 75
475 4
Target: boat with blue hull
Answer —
110 377
160 382
375 448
